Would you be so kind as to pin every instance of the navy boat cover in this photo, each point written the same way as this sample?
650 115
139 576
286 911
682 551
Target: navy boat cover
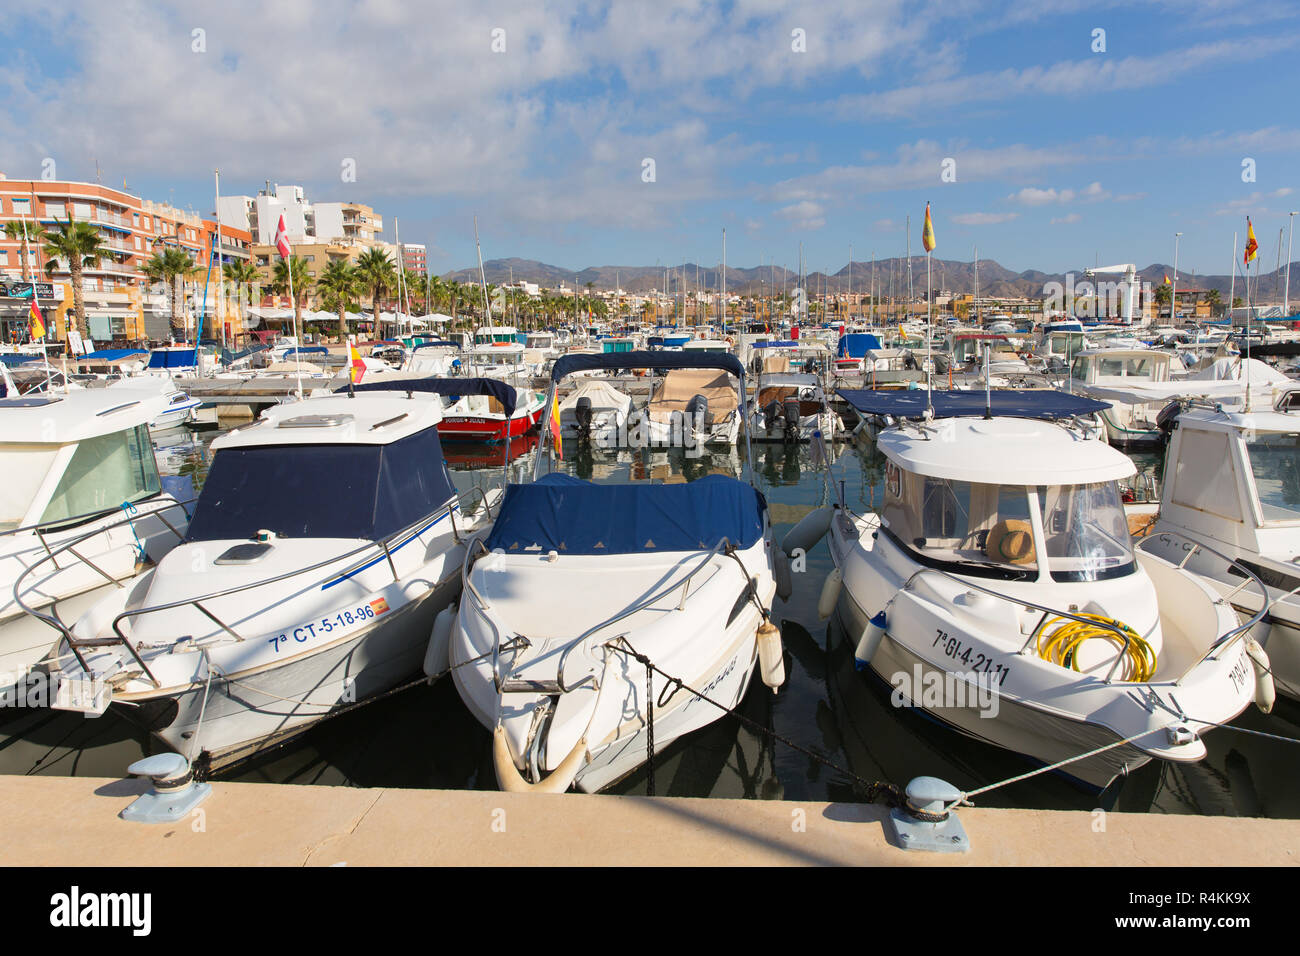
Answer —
1013 402
568 364
172 358
453 387
570 516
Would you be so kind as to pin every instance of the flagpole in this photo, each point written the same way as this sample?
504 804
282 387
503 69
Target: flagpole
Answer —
1249 233
221 265
1232 283
297 334
27 270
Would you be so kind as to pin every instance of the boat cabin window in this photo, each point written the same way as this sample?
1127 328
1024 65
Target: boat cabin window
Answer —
962 526
1275 465
322 491
1204 474
1086 533
104 472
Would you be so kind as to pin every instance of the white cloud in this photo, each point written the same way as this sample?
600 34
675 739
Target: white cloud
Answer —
1072 217
984 218
804 215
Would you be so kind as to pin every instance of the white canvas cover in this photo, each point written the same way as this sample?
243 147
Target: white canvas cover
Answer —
604 398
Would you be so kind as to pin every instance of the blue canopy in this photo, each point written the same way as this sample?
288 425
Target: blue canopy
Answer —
1013 402
780 344
856 344
173 358
565 514
307 350
454 387
568 364
109 355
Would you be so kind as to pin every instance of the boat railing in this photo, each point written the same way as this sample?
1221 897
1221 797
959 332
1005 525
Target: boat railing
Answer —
1228 638
362 560
60 524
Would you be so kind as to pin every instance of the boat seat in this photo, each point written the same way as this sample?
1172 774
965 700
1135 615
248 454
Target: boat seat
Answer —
1011 540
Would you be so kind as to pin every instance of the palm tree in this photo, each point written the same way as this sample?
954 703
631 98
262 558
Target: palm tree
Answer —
338 286
241 273
298 268
81 245
166 267
1214 300
376 273
433 293
31 235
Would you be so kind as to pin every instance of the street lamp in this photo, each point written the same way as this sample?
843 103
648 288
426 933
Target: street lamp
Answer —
1173 292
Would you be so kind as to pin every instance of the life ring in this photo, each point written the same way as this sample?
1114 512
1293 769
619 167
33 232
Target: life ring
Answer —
730 340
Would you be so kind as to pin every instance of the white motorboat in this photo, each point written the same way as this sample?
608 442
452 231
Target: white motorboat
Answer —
178 406
998 588
691 407
83 511
790 405
327 537
587 597
1104 373
597 412
1231 496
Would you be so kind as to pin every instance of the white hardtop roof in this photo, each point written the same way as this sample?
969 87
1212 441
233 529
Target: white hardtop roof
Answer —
59 419
372 418
1125 352
1141 392
1266 420
1007 451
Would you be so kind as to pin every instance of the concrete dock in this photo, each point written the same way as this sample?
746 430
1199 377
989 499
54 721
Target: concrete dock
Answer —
72 821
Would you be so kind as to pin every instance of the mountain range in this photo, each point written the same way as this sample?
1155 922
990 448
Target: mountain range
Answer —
952 275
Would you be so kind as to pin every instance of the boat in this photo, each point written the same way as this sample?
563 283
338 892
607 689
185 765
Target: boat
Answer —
692 406
597 412
326 539
482 417
1231 495
84 512
587 597
999 590
790 405
1105 373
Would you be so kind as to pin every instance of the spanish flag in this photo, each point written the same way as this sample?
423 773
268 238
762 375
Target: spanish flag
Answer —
927 234
555 427
1167 282
35 322
356 367
1252 246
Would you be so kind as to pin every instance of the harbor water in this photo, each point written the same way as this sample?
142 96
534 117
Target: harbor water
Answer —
423 737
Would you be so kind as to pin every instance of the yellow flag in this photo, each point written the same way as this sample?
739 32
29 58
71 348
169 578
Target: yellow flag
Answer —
927 234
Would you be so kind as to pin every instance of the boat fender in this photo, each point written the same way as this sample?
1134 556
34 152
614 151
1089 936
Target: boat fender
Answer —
830 594
810 529
558 780
1265 692
437 656
771 656
781 571
869 642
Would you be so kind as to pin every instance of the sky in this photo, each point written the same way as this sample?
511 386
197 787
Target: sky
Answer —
1051 135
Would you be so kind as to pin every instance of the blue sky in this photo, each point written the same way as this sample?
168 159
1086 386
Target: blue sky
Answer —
1062 155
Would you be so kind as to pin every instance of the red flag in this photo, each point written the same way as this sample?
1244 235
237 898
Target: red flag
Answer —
282 239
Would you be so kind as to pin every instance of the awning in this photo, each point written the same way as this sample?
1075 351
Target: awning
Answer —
1012 402
568 364
454 387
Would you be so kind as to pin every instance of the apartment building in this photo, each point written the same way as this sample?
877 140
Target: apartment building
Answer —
122 304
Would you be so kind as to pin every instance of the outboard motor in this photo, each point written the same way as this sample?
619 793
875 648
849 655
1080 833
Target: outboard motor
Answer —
1167 417
697 409
792 419
582 414
769 416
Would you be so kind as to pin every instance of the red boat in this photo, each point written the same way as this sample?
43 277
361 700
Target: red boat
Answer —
481 418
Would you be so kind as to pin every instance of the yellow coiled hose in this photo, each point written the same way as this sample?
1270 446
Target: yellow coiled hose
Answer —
1064 641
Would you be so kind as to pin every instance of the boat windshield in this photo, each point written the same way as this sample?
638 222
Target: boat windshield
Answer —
322 491
105 472
962 526
1275 465
1086 533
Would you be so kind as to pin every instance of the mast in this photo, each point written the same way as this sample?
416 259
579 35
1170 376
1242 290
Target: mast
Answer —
724 280
221 264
